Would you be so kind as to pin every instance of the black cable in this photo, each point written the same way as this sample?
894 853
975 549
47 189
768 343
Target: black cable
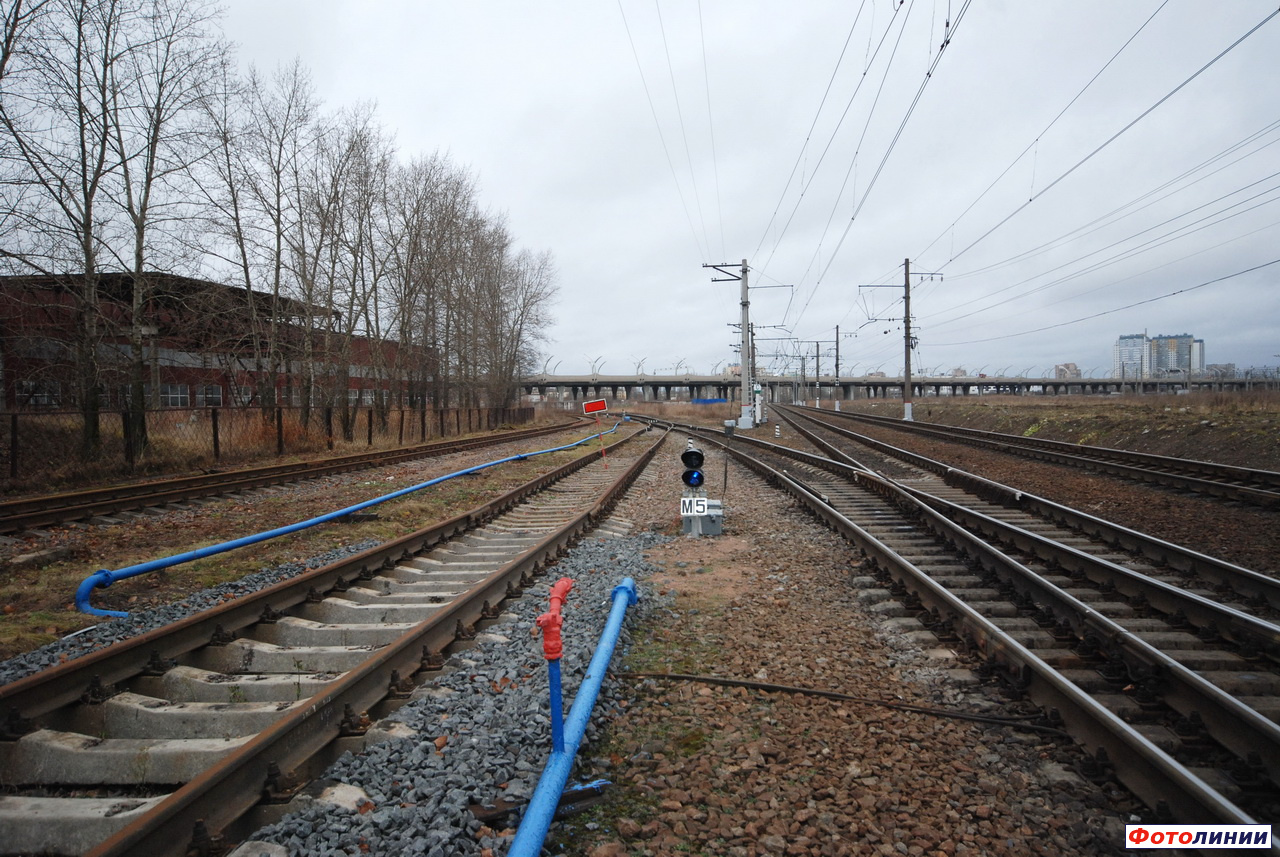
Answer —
1118 134
1150 198
889 151
1013 722
1117 309
1176 233
1046 129
684 135
653 110
807 136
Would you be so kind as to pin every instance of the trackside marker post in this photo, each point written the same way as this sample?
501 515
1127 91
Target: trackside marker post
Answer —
598 407
552 648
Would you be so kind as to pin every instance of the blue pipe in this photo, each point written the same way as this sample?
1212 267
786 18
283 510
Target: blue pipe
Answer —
557 706
546 797
104 577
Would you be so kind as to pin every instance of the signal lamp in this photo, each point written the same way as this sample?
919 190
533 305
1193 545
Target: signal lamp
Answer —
692 460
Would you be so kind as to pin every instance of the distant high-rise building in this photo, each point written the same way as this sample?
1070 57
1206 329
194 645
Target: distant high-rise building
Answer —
1136 355
1066 371
1131 356
1177 352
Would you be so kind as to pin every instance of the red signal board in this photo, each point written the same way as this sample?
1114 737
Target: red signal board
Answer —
595 407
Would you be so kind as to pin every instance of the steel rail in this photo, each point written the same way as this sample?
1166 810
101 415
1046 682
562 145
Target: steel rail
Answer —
1259 487
1147 770
47 510
1246 582
227 790
1236 626
223 793
63 684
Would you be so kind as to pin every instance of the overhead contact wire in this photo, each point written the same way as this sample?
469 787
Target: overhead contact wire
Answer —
1046 128
808 135
1118 134
1120 308
684 135
662 137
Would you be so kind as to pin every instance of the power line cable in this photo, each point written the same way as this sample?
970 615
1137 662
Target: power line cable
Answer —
894 142
1116 309
809 134
888 151
1046 129
1178 233
815 257
1191 255
1150 198
662 137
711 125
813 176
1118 134
684 135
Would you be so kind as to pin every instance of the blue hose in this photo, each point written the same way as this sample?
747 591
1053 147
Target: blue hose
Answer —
104 578
546 797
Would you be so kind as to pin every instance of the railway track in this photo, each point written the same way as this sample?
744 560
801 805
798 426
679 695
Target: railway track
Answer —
188 727
32 512
1166 688
1242 484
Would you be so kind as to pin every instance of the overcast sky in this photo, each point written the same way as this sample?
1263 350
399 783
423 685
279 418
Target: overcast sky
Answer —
639 141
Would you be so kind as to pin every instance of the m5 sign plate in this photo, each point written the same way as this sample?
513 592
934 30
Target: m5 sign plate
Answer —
693 506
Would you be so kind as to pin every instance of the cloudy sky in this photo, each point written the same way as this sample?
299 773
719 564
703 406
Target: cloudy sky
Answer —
1069 169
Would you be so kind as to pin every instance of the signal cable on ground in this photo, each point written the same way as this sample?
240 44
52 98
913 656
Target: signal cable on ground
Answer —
1019 722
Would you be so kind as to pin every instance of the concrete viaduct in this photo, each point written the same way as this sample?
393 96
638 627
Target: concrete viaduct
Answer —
787 389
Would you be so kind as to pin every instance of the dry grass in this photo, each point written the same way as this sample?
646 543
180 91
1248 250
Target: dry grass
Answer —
181 442
37 603
1230 428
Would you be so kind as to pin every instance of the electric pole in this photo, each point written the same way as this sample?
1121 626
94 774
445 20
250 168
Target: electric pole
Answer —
907 341
906 331
745 420
839 392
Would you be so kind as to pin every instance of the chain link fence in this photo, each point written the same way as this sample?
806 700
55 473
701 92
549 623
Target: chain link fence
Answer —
43 451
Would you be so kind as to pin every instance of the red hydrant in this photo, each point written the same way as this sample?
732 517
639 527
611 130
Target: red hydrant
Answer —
552 648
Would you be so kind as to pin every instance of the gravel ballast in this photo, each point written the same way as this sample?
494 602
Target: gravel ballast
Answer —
701 768
479 732
706 769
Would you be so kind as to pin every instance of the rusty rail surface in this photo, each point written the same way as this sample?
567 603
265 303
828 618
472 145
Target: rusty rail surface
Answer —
223 793
31 512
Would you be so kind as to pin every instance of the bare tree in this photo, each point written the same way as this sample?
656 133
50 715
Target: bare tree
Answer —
158 99
529 287
129 143
57 116
281 133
